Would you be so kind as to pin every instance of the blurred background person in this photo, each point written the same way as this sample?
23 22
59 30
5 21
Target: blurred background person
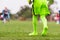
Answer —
55 11
6 14
58 10
57 17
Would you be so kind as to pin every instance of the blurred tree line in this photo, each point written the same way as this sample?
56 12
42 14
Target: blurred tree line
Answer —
25 12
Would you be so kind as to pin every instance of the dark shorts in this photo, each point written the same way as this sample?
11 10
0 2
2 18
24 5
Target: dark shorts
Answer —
5 15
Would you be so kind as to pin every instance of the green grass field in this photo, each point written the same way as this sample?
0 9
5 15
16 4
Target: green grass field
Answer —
19 30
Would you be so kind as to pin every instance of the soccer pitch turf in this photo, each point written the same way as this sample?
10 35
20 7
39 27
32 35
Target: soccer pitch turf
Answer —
19 30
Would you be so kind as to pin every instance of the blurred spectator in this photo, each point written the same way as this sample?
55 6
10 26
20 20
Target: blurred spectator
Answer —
57 18
6 15
53 9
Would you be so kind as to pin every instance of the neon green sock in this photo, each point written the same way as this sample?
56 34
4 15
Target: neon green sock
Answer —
45 28
34 23
44 21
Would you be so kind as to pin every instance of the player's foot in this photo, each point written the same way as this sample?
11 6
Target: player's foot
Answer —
44 33
33 33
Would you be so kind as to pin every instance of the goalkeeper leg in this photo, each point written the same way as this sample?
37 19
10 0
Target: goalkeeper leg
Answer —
34 25
45 27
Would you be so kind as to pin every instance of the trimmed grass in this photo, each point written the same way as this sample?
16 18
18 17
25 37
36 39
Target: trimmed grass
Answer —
19 30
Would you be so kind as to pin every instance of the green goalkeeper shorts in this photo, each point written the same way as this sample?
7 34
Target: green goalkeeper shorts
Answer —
40 9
